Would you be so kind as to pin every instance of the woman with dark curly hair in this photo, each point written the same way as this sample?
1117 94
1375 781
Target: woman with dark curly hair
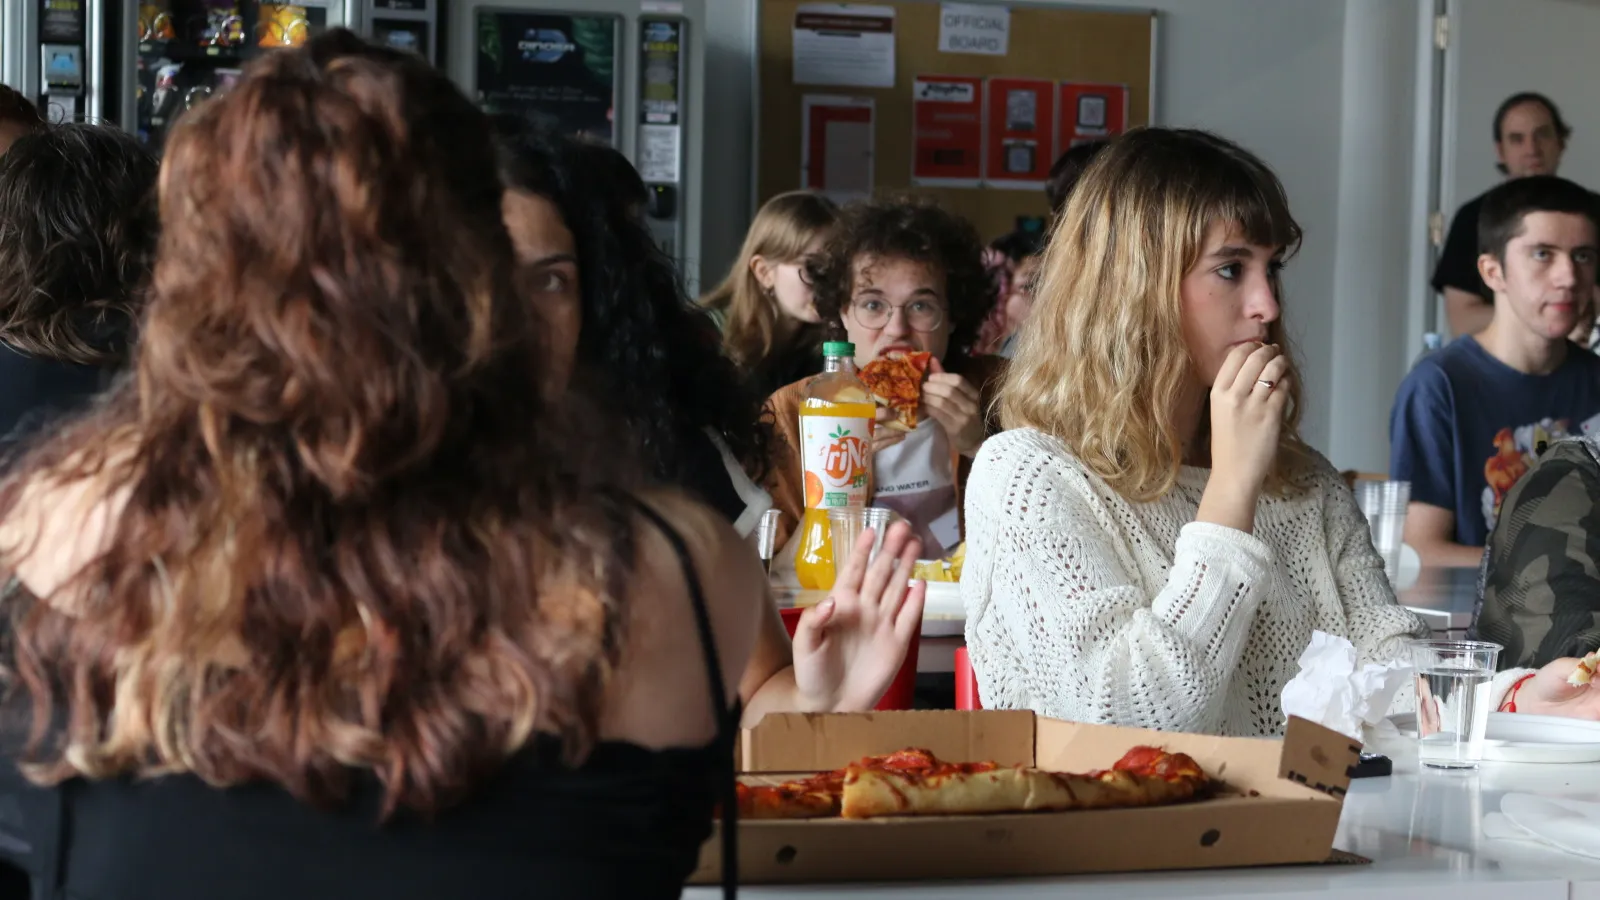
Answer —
631 337
335 598
585 260
78 235
902 274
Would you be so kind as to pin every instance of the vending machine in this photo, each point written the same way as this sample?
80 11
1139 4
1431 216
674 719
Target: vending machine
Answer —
404 25
629 73
173 54
141 64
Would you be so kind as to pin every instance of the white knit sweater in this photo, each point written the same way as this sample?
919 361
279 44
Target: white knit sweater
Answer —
1084 606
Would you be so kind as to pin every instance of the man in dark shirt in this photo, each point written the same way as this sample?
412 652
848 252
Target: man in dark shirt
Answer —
1469 419
1529 138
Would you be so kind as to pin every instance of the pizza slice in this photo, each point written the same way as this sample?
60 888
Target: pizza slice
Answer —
895 380
913 782
816 797
1584 673
1146 776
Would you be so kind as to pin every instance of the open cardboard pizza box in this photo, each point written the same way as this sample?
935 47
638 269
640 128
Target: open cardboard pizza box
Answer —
1280 805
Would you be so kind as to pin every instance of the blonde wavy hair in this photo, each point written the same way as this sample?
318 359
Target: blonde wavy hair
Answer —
1102 357
783 228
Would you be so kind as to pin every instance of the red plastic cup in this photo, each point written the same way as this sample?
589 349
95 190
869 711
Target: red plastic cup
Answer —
902 690
966 682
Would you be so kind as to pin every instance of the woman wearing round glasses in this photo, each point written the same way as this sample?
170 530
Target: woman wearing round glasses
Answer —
902 274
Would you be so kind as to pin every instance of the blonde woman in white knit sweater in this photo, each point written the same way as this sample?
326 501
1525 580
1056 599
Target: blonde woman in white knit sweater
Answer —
1151 543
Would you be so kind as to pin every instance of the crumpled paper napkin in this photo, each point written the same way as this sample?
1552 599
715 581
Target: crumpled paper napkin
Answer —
1334 692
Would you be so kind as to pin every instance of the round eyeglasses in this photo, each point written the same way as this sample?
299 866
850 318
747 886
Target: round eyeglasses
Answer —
922 315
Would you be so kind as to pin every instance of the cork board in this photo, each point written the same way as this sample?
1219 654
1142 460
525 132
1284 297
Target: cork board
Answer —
1052 43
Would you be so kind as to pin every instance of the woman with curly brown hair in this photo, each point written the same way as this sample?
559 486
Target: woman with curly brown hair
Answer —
902 274
77 238
335 598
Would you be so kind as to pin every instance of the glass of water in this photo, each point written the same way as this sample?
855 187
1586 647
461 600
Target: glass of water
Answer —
1453 683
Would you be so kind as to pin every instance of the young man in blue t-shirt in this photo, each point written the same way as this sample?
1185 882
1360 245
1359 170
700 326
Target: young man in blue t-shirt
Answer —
1469 419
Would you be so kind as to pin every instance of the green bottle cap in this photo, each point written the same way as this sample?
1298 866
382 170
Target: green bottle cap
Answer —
838 348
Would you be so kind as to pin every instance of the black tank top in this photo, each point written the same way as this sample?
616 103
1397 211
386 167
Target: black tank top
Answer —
628 823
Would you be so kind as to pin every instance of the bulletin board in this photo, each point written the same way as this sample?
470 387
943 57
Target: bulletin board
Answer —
1059 44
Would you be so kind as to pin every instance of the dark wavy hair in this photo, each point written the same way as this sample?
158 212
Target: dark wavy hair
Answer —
18 109
905 227
643 346
78 230
351 533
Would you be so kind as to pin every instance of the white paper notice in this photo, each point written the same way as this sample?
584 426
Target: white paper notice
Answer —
974 28
847 44
836 141
658 153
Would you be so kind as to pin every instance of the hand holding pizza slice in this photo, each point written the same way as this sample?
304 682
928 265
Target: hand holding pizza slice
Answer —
895 380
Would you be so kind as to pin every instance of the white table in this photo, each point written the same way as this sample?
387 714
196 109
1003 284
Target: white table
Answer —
1423 832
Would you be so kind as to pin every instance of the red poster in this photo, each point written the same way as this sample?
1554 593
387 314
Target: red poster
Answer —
1091 112
1021 142
947 147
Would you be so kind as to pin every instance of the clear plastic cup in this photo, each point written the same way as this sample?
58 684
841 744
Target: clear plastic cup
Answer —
846 524
1454 679
1384 505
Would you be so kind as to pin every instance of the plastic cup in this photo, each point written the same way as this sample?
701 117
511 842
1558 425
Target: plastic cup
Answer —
1384 505
1453 703
845 525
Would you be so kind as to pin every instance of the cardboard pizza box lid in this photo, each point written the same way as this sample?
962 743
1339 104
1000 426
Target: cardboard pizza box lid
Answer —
1281 805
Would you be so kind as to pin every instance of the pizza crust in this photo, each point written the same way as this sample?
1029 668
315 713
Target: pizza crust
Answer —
871 793
1585 671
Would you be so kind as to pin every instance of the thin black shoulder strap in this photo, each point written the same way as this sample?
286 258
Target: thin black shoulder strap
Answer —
726 714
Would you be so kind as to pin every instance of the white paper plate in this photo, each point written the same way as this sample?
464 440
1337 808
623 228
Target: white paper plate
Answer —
1517 737
1572 825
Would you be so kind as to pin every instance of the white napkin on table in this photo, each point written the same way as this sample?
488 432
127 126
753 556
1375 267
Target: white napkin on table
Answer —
1334 692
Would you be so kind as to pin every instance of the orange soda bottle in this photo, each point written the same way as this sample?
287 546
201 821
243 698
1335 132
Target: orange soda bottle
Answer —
837 418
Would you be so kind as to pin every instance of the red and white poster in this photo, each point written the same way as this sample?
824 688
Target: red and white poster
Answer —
836 146
1020 145
1091 112
947 146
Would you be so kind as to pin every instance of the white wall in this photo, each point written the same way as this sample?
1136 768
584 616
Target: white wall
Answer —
1279 76
730 101
1500 48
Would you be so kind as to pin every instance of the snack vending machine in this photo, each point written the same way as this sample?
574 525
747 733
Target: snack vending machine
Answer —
173 54
629 73
141 64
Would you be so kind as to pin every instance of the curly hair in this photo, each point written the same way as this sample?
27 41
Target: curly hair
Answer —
78 230
643 345
912 228
348 533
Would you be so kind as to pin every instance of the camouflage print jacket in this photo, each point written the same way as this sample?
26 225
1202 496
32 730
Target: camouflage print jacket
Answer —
1541 570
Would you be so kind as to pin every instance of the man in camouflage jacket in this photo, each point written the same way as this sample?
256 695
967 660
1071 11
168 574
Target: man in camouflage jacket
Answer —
1541 570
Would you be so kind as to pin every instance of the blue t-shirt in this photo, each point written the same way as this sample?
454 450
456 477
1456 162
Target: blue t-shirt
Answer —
1466 427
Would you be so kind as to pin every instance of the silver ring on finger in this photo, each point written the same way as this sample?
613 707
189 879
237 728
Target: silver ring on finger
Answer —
1269 385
